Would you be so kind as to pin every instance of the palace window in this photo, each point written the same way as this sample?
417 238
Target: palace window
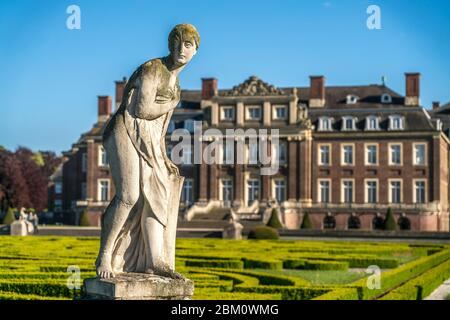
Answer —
395 154
279 112
371 154
396 123
228 151
84 162
325 124
280 152
371 192
186 155
102 158
189 125
419 191
372 123
386 98
347 191
324 191
347 154
253 112
352 99
395 191
279 189
58 187
419 154
324 155
57 205
227 191
252 153
252 191
103 190
187 194
348 123
227 113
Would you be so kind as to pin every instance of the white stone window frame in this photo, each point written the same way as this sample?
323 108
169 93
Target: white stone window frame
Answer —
329 121
319 154
386 98
274 111
274 193
392 119
390 191
101 152
222 113
343 190
185 187
343 145
368 127
99 189
390 153
344 123
247 112
425 158
246 187
319 193
352 99
221 180
366 153
414 196
366 190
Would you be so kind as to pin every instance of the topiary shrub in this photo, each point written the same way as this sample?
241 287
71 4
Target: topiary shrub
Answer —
274 222
84 219
263 232
9 217
389 222
306 223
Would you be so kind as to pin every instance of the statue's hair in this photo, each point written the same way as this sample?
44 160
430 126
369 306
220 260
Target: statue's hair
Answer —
182 32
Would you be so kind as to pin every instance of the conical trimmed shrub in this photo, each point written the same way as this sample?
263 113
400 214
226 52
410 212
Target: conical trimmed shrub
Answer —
274 222
306 223
84 219
389 222
9 217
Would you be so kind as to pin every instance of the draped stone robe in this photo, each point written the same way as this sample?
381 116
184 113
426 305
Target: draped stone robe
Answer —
159 191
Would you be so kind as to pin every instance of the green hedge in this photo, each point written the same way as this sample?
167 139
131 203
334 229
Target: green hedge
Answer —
422 286
231 264
262 264
340 294
287 292
263 232
46 288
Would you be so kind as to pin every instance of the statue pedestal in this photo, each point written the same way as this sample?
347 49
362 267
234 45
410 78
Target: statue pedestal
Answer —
138 286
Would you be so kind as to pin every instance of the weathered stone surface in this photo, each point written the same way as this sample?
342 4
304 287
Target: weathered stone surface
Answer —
21 228
138 286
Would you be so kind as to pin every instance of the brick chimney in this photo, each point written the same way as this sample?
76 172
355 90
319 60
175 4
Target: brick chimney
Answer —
120 87
412 89
436 105
104 108
317 91
209 88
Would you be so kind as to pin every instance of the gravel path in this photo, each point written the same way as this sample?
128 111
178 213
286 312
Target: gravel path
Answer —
441 292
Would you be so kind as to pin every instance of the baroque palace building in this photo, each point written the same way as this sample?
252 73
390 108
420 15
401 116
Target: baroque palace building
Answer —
345 155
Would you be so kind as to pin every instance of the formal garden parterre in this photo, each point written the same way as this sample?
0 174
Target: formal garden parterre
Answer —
37 268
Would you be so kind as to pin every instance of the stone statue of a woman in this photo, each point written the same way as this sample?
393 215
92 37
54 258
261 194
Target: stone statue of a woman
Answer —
139 225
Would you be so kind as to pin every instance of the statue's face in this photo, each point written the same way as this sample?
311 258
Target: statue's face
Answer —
184 51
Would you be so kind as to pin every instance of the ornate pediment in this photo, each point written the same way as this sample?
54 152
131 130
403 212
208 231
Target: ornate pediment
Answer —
254 86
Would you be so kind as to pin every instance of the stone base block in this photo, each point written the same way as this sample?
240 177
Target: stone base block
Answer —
138 286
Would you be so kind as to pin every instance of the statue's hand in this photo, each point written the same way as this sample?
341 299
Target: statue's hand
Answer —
173 169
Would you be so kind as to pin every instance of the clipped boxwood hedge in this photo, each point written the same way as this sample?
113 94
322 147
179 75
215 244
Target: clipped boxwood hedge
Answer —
263 232
231 264
262 264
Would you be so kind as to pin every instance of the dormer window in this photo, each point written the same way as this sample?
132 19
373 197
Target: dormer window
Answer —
279 112
253 113
386 98
372 123
352 99
348 123
227 113
396 123
325 124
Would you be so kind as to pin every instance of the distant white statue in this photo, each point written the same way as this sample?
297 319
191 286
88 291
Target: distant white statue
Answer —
139 225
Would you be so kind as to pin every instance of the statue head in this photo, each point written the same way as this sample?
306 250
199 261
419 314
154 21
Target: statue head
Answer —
184 41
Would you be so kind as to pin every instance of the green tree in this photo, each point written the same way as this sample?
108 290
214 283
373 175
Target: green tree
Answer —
306 223
389 222
9 217
274 222
84 219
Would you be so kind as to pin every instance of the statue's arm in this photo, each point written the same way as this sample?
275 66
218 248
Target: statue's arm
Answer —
148 107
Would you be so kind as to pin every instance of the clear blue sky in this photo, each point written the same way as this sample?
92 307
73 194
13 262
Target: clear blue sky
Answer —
50 76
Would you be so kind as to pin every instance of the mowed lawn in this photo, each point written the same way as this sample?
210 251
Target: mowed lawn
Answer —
42 268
